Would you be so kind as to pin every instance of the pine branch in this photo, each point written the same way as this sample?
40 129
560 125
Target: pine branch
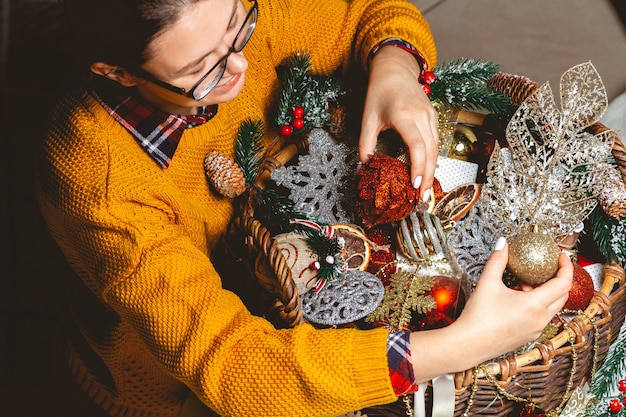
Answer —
606 378
608 233
461 83
313 93
249 148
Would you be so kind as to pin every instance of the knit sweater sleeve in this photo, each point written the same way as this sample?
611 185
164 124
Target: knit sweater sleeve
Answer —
120 221
338 33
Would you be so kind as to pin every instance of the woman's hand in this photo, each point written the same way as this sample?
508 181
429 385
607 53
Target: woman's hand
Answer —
495 320
395 100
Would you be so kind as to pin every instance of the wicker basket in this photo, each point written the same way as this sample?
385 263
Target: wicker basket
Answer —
547 373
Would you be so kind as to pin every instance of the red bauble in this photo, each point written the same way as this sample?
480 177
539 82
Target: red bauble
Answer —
286 130
297 123
582 290
528 411
449 300
298 112
427 89
622 385
428 77
615 406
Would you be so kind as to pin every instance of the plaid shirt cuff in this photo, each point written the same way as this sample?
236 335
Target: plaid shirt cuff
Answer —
403 45
400 364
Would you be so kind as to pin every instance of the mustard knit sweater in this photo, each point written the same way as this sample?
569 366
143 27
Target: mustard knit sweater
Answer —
154 319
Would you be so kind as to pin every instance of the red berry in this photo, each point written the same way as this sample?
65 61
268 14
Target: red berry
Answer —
428 77
622 385
297 123
615 406
298 112
286 130
427 89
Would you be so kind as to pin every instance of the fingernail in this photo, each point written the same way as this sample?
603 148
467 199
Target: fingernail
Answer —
426 197
500 243
417 182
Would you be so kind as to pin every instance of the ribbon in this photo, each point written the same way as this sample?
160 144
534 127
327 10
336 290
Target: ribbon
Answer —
443 397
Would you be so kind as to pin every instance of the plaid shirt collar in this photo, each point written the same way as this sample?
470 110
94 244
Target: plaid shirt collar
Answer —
156 131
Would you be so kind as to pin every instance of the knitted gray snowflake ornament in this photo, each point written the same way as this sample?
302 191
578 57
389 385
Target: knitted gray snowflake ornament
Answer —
318 183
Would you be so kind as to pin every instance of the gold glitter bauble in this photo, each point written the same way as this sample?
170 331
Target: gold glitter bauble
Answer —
533 257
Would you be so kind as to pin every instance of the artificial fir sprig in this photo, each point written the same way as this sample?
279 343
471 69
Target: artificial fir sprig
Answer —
249 149
607 379
608 233
461 83
302 89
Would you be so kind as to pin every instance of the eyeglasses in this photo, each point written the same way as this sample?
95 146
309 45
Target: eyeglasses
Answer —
209 80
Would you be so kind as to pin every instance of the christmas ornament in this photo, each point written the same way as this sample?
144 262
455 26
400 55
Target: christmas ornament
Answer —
304 96
350 297
548 176
458 202
582 290
461 83
605 384
462 146
425 290
224 174
385 191
533 257
612 196
317 182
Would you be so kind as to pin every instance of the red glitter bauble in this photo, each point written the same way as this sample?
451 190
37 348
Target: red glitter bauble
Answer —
582 290
622 385
427 89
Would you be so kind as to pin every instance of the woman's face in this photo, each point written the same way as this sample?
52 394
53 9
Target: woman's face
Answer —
185 51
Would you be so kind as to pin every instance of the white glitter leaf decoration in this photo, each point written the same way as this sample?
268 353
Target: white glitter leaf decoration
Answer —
548 175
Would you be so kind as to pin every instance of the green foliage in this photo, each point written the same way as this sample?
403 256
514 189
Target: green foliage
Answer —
461 84
249 148
313 93
605 381
608 233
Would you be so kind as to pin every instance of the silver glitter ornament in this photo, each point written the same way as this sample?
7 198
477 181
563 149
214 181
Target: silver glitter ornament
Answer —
347 298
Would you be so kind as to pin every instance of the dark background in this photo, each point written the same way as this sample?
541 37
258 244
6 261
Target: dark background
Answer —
35 55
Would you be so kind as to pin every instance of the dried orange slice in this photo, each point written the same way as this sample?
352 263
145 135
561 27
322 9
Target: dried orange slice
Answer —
356 249
457 202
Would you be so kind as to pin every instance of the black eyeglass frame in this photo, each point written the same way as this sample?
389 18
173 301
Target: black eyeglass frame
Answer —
249 24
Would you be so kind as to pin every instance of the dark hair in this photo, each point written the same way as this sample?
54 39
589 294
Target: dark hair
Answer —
118 32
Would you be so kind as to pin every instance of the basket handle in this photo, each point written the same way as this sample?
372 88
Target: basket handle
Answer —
287 302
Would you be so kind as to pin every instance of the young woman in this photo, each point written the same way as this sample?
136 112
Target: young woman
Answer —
122 188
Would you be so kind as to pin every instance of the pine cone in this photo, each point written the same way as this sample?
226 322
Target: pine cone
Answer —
224 174
338 122
612 196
